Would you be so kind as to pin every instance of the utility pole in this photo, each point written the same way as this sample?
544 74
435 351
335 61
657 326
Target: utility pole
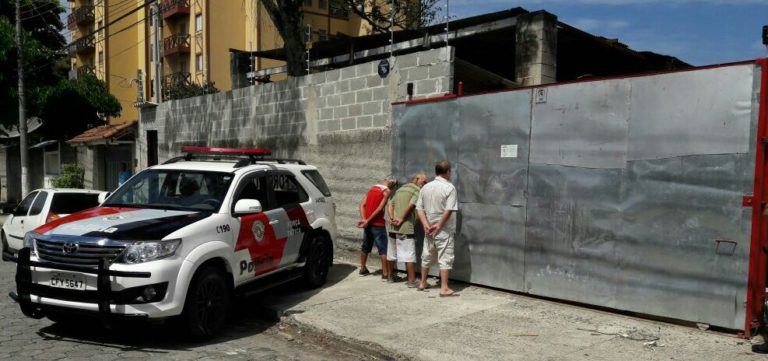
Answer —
392 30
156 52
23 151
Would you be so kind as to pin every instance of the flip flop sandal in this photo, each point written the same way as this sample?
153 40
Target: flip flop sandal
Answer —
419 288
452 294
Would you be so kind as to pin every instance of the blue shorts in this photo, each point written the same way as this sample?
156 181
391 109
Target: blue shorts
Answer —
375 234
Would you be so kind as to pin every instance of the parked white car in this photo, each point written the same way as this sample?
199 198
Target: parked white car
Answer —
42 206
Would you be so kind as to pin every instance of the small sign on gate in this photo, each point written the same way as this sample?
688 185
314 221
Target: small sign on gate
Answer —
509 151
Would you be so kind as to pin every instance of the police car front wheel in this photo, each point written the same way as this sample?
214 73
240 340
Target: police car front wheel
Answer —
205 309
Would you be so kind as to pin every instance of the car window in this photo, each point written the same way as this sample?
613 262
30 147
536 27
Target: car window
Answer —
23 207
68 203
316 179
287 190
253 187
173 189
38 204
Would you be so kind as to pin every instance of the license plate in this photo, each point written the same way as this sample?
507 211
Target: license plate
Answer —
67 280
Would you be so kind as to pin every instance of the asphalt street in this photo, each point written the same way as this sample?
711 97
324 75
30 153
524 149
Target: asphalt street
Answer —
249 335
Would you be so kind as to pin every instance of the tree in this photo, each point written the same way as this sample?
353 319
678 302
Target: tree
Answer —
84 102
44 55
288 19
67 107
408 14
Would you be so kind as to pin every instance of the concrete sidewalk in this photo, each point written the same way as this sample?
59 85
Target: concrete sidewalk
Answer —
484 324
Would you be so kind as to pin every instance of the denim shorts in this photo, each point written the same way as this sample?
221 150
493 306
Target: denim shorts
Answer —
376 234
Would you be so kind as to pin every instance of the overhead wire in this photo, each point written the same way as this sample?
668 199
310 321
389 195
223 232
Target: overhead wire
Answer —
111 34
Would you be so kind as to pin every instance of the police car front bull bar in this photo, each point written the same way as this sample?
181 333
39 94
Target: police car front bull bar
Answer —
24 282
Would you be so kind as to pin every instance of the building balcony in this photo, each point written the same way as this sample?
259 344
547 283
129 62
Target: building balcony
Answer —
84 15
176 44
81 46
85 69
174 8
175 79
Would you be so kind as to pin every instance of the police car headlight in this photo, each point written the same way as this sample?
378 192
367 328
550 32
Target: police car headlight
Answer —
30 242
149 251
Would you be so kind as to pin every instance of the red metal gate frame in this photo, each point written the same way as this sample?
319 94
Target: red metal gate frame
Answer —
758 266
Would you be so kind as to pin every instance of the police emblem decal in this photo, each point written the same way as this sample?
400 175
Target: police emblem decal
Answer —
258 231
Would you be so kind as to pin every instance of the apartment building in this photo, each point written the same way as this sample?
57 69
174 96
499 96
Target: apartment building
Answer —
113 40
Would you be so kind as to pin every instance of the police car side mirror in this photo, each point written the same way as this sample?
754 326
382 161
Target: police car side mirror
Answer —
248 206
103 196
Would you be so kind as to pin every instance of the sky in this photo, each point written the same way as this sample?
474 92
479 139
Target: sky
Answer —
699 32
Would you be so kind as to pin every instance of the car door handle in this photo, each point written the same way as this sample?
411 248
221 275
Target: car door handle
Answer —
274 221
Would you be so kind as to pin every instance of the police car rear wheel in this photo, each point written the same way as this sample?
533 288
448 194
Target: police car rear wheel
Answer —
318 262
205 309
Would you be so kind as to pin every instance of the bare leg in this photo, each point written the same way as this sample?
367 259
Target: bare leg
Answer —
384 266
411 269
424 272
444 282
363 260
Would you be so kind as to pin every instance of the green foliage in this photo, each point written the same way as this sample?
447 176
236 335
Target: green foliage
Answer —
84 101
43 54
408 14
183 90
71 177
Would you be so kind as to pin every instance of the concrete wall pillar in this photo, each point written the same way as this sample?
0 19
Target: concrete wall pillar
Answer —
536 48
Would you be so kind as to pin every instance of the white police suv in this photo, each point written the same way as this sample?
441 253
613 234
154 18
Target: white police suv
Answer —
177 239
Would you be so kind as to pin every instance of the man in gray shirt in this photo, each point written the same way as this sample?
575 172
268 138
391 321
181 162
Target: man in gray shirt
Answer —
436 205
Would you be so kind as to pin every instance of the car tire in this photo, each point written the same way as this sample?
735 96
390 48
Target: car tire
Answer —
205 309
319 259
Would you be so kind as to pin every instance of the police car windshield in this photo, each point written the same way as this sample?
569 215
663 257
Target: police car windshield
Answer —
173 190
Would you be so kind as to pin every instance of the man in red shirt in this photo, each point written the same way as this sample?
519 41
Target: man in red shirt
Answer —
373 224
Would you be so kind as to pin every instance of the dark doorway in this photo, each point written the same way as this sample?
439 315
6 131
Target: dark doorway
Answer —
151 148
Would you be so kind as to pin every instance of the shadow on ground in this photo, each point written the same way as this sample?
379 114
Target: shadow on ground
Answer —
247 317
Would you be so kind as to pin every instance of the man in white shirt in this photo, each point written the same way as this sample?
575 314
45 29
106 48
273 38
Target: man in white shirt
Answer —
436 205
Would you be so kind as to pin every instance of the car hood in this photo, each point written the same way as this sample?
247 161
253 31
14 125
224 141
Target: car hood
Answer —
122 223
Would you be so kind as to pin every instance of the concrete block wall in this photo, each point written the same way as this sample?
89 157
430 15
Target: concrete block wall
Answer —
338 120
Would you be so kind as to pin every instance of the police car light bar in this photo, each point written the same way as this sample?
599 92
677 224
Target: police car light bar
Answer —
227 151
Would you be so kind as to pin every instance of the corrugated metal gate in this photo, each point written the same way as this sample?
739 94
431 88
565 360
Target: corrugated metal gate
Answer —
623 193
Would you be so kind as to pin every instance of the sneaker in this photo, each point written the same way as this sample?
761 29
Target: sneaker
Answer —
364 272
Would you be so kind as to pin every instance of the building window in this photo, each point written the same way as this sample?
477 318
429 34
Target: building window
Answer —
322 35
307 2
101 57
322 4
198 22
199 62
